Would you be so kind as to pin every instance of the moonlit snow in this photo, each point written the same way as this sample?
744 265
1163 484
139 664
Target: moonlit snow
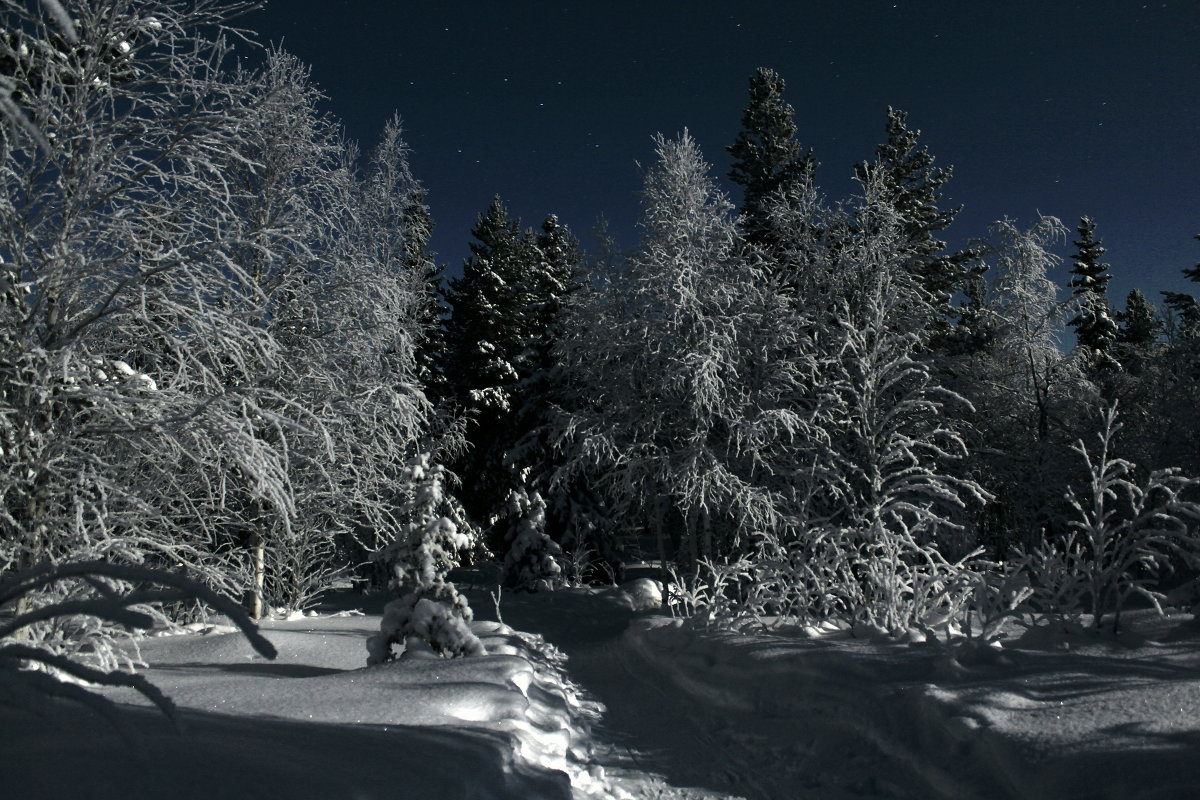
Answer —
597 693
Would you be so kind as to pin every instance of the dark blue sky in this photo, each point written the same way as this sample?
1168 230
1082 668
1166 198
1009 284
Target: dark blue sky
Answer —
1066 108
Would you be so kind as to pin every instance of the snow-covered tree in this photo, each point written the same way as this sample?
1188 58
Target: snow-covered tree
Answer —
912 188
895 500
682 415
126 420
431 615
768 161
485 332
485 339
326 256
205 363
1029 398
532 561
1025 303
504 321
1095 328
1140 324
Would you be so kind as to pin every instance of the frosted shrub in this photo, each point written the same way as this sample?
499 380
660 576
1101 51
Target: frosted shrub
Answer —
797 580
904 584
1122 538
714 594
532 562
998 593
431 615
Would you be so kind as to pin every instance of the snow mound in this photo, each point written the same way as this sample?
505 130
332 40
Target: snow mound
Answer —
642 594
315 723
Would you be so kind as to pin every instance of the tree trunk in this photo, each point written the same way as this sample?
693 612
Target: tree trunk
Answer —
660 535
256 596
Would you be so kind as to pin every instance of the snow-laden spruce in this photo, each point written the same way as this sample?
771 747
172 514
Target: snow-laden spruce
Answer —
431 616
532 563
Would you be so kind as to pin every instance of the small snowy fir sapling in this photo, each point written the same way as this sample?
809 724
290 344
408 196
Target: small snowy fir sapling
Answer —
432 617
532 560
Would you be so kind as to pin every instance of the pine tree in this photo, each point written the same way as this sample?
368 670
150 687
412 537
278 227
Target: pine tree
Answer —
499 337
418 230
769 162
1140 324
1185 309
559 274
1095 328
484 334
913 189
974 328
532 560
432 615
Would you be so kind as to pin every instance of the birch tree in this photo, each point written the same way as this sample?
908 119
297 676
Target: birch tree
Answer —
328 257
684 413
124 426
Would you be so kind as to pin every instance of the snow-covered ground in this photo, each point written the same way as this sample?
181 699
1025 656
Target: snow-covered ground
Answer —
603 699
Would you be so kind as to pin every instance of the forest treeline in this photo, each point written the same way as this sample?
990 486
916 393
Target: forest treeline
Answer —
225 348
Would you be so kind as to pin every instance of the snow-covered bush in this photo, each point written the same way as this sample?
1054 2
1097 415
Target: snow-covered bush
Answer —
999 593
432 615
893 452
714 594
532 562
1123 536
62 627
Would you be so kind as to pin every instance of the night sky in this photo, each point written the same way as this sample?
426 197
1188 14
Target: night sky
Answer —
1063 108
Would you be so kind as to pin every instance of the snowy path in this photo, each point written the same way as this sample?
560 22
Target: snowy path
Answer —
765 717
652 742
665 735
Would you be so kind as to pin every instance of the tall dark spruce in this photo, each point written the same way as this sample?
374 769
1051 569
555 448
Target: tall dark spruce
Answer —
1093 323
769 162
913 190
498 340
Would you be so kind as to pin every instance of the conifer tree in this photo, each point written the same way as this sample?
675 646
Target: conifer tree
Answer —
1095 328
498 340
559 274
484 331
431 616
532 560
418 230
769 162
1185 309
974 328
913 189
1140 325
